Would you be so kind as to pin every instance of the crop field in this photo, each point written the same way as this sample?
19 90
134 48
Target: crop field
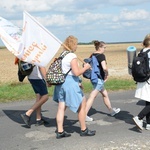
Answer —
116 55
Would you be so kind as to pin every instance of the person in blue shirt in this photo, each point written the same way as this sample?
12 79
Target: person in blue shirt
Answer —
98 86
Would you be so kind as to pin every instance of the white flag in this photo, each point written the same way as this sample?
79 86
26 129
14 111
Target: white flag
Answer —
34 44
11 36
40 45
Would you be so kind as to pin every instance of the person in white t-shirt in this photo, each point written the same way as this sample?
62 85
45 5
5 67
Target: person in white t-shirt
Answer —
39 85
69 94
143 92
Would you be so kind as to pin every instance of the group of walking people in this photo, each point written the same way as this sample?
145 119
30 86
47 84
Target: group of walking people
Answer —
70 94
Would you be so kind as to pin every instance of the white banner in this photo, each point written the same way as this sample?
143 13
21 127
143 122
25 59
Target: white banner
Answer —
11 36
40 45
34 44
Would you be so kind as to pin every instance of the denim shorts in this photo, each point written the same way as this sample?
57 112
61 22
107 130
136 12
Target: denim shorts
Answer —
99 85
70 93
39 86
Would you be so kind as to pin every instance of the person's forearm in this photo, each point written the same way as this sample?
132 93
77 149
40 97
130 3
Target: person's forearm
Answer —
43 72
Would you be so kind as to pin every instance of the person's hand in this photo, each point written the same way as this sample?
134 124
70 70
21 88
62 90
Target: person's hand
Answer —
87 66
80 85
105 78
48 85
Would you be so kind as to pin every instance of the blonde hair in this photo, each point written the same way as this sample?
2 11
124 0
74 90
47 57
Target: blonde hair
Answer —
70 42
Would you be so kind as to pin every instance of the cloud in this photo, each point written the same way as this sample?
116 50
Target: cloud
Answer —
89 18
36 5
134 15
55 20
127 2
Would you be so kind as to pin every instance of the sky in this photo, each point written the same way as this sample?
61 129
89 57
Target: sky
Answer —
88 20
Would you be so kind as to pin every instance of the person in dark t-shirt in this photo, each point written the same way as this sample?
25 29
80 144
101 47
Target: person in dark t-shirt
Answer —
100 47
100 58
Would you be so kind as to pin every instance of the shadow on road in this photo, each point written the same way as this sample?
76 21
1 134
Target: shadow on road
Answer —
14 115
122 115
141 103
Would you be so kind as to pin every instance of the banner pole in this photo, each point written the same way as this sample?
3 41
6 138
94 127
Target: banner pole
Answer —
70 50
52 35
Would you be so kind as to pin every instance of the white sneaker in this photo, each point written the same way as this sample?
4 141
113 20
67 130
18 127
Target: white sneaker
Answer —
138 122
88 119
148 127
115 111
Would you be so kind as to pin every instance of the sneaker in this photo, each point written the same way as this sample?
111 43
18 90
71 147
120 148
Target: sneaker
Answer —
87 132
138 122
26 119
115 111
148 127
45 120
62 135
39 122
88 119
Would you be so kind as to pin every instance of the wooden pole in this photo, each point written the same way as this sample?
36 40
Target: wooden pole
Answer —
70 50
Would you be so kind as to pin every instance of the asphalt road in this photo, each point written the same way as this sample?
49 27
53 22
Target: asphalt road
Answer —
112 133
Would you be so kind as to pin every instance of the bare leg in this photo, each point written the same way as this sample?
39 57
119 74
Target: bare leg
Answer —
37 104
60 116
90 100
82 114
38 110
106 99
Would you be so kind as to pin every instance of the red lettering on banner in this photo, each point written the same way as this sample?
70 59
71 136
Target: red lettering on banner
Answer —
31 49
12 50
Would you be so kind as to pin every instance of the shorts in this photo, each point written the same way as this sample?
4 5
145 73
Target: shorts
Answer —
99 85
71 94
39 86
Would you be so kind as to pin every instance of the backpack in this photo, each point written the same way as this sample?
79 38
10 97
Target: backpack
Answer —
24 69
54 75
140 67
87 73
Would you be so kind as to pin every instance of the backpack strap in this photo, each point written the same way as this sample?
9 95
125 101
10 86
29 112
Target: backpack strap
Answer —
148 51
94 55
68 72
62 55
148 58
145 51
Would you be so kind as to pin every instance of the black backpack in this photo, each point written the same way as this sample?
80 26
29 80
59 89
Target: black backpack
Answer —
140 67
24 69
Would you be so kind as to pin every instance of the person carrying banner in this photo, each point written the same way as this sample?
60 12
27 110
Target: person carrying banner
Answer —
39 85
69 94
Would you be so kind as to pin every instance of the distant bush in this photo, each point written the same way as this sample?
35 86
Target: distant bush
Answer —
2 47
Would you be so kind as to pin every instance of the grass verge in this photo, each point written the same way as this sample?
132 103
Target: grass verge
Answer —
23 91
113 84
